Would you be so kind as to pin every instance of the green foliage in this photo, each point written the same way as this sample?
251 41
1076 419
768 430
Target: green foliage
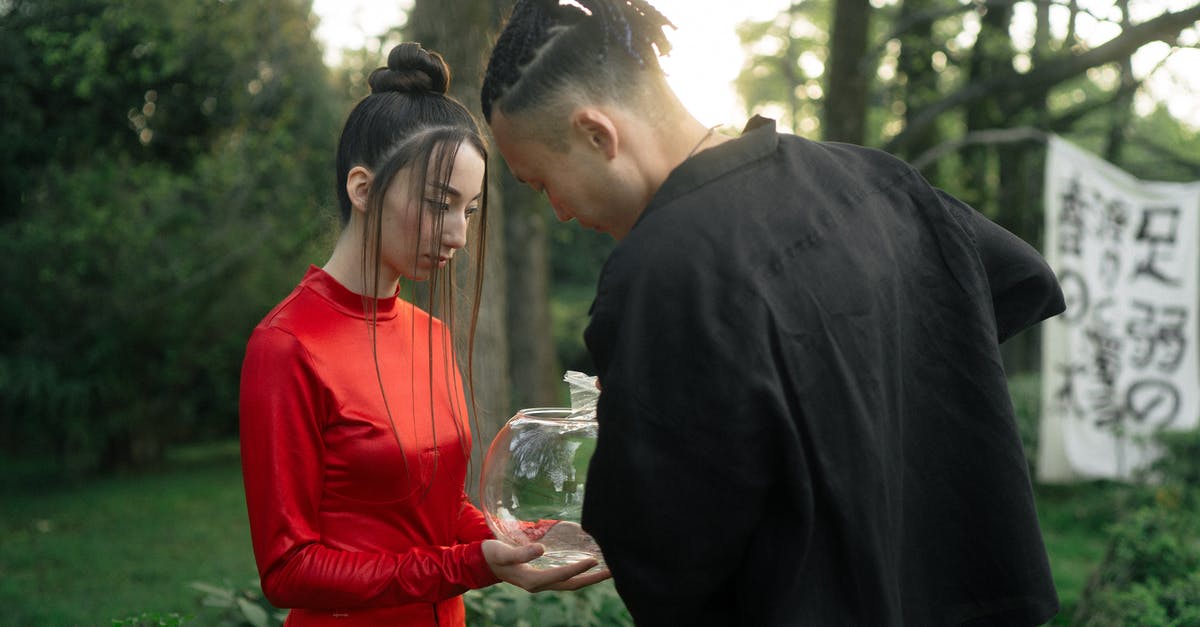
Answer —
774 75
1150 574
576 257
503 605
1075 521
168 174
1178 470
1025 390
236 608
151 619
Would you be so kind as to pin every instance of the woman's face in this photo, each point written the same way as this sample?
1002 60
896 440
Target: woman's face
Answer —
421 230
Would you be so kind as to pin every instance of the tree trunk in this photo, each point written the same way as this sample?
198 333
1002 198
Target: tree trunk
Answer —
1020 90
1122 113
461 32
847 77
992 53
915 63
533 365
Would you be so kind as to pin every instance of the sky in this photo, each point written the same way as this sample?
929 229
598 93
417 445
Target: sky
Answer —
707 56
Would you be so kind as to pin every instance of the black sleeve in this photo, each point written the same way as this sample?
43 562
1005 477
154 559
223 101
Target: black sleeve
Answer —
684 455
1024 289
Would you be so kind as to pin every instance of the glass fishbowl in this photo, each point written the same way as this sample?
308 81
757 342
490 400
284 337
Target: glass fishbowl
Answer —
531 488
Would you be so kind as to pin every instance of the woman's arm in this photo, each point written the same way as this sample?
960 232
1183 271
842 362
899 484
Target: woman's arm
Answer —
282 455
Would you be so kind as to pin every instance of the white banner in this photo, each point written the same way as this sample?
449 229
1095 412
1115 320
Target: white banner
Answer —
1121 363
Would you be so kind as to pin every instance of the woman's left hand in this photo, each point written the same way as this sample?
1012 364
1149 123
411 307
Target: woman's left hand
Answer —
511 564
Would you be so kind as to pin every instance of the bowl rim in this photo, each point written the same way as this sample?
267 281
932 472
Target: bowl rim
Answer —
544 412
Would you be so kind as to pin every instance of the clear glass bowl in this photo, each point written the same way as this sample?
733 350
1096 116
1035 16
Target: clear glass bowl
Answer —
531 488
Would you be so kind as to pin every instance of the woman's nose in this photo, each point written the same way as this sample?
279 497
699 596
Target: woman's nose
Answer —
454 230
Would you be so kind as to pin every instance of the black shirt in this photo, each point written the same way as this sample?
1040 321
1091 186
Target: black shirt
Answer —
804 417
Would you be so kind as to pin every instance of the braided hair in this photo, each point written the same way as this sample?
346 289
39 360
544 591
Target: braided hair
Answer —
546 45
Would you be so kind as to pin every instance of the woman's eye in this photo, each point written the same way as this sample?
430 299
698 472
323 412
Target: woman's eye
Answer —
437 205
472 210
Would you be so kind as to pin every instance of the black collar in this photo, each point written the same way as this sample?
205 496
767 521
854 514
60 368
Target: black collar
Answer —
758 140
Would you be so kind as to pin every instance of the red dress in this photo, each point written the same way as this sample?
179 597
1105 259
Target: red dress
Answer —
346 529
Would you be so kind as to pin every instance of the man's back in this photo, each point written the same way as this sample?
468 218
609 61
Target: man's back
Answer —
805 419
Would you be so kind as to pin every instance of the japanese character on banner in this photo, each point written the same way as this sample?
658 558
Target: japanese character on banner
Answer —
1122 362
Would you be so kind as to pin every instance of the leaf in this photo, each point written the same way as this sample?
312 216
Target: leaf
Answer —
218 593
255 614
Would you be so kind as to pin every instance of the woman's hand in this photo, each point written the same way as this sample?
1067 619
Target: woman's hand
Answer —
511 564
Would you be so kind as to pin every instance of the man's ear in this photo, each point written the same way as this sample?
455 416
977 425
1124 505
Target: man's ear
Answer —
596 128
358 186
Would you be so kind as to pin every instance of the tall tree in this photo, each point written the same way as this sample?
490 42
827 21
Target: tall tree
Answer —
774 73
461 31
1122 110
1016 90
992 54
173 160
848 75
918 49
533 362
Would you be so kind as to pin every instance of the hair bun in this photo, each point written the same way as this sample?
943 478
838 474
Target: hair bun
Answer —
411 69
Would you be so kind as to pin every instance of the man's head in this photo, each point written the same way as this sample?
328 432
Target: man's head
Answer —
551 57
575 98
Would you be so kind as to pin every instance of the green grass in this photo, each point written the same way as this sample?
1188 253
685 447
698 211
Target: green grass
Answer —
1075 522
123 546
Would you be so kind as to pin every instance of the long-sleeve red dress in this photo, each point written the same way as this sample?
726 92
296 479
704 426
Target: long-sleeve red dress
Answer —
348 526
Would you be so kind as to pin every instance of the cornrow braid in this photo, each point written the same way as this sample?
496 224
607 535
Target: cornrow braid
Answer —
635 26
646 26
516 47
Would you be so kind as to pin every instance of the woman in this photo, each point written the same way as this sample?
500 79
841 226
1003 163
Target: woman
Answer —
354 426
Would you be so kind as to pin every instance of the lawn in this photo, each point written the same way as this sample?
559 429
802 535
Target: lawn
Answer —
124 546
127 545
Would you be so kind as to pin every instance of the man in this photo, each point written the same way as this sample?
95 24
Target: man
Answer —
804 417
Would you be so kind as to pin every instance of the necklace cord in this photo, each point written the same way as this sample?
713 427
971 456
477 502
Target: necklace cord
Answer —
700 143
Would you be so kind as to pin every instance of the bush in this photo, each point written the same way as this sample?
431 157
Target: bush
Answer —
1150 574
151 619
1026 392
508 606
239 607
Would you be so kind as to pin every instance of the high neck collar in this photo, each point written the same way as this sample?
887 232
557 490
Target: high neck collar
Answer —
347 300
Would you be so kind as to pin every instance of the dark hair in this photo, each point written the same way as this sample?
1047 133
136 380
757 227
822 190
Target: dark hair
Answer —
407 96
409 120
548 50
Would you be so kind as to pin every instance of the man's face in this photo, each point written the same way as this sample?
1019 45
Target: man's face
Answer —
578 181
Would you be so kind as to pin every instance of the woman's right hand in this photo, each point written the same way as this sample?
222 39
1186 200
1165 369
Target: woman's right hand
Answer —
511 564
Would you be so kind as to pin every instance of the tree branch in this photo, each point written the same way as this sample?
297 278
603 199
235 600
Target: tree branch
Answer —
988 136
928 16
1037 82
1067 120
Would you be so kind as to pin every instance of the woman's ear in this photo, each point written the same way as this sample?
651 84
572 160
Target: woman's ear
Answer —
358 186
596 128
